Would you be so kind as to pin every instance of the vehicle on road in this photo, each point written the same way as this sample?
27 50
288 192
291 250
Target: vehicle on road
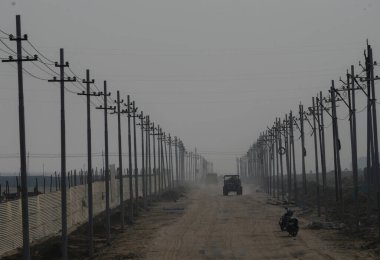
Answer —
232 183
211 178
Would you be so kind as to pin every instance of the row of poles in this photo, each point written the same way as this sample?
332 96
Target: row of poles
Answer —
271 160
171 167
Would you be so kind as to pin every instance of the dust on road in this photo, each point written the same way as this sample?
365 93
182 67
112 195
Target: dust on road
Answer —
207 225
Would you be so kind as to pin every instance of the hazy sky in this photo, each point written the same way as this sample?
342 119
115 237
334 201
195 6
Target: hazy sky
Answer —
213 72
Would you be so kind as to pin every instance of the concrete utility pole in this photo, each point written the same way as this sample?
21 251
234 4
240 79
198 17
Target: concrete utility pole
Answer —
21 113
157 171
159 160
105 107
349 86
276 138
165 183
303 149
374 163
313 113
269 161
287 156
129 111
120 173
170 161
146 167
291 122
167 169
281 150
320 120
354 152
176 159
181 162
272 161
61 65
147 158
150 161
88 95
134 110
336 143
142 159
154 158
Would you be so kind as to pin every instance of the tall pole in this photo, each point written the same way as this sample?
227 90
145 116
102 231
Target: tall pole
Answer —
154 159
21 113
273 162
106 170
130 179
134 110
269 162
313 111
62 64
63 160
146 126
375 137
369 136
195 165
293 157
337 144
281 162
171 161
287 157
354 158
142 159
149 158
176 159
24 182
88 95
303 149
121 186
167 165
277 159
162 171
182 163
159 160
319 114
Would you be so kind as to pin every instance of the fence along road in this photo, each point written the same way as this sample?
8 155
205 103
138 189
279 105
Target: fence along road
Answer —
45 212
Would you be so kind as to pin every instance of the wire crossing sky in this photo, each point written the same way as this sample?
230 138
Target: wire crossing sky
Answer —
213 72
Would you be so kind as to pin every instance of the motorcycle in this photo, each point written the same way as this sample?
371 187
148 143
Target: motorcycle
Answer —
285 218
292 227
289 224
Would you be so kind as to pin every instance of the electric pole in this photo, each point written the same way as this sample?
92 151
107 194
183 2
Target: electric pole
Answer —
134 110
176 159
314 128
88 94
291 122
62 81
303 149
105 107
120 172
24 183
142 159
130 180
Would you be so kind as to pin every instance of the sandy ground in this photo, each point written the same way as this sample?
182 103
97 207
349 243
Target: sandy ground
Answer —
207 225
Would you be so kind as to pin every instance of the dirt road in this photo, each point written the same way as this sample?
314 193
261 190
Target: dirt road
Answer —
208 225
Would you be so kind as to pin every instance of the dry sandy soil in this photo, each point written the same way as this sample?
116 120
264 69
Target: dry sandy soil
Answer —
207 225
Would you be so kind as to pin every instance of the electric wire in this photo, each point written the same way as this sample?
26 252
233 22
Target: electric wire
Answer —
7 52
2 31
43 63
40 52
29 73
9 48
